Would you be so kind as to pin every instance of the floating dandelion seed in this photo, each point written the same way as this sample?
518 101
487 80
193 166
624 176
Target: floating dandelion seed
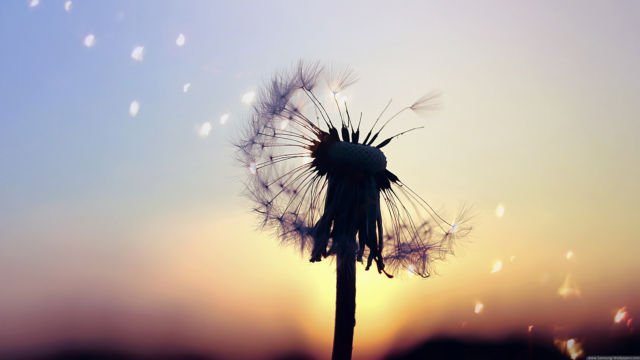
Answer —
224 118
89 40
185 87
569 288
34 3
497 266
571 347
134 107
478 308
569 255
512 258
620 315
137 53
204 129
249 97
530 328
68 5
325 187
181 40
499 211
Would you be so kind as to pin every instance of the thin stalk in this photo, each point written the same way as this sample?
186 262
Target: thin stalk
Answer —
345 305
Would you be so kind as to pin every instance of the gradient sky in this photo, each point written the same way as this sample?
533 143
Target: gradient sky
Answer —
133 230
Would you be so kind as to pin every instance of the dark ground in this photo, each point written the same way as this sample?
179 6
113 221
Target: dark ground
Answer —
432 349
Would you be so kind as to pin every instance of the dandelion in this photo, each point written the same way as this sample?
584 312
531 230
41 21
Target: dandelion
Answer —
323 184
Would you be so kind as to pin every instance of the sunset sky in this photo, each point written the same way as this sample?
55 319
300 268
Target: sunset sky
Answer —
122 219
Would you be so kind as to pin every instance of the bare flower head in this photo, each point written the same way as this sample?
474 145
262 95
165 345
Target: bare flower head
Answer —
325 186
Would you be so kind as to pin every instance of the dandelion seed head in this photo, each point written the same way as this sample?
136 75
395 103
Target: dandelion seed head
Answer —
180 40
204 129
320 183
89 40
134 108
137 54
224 118
68 5
186 87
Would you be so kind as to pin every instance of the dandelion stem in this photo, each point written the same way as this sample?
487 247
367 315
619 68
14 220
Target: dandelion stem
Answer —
345 305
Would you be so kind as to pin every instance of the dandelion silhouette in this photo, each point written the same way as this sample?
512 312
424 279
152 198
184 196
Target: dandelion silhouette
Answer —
325 187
